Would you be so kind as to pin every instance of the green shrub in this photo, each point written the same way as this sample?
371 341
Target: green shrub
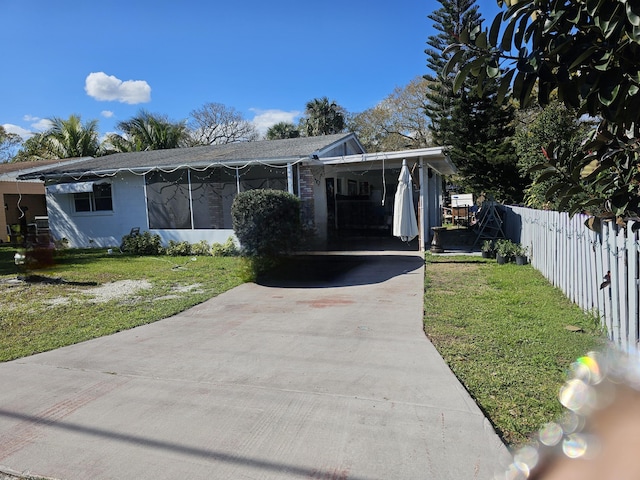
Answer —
142 244
226 249
267 222
178 249
201 248
506 248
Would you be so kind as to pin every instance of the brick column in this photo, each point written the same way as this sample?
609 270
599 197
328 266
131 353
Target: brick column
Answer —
306 193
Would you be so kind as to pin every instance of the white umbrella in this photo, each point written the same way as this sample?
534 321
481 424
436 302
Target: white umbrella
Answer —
405 224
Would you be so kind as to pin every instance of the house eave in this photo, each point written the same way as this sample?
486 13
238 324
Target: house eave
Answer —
434 157
79 174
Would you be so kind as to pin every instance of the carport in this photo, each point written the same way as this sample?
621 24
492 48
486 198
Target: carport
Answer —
356 203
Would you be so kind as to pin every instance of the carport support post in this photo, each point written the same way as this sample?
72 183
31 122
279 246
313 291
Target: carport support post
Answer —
290 178
423 206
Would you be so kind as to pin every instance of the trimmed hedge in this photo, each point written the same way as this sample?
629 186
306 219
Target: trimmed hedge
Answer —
267 222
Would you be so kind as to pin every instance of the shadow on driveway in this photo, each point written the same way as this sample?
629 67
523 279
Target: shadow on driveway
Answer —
331 270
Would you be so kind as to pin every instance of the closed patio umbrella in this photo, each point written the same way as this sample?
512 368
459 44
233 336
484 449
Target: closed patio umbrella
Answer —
405 224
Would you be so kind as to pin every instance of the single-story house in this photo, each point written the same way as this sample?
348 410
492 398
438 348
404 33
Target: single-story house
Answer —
23 200
185 194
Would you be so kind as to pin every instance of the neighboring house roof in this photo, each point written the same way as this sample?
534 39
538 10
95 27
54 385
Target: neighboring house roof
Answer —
12 171
265 151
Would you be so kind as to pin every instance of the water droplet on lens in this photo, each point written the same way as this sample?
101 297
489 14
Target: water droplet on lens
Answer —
574 446
526 459
550 434
514 473
576 395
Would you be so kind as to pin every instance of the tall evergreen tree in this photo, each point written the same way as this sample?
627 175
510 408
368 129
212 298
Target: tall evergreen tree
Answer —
449 21
475 129
482 148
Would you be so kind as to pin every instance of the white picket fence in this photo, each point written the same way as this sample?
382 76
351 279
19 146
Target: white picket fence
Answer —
577 260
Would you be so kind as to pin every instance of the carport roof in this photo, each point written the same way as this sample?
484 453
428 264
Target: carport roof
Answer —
434 157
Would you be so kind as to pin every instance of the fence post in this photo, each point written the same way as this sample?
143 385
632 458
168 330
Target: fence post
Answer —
612 253
632 299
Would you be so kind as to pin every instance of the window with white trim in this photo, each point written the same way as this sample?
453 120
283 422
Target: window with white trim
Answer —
97 201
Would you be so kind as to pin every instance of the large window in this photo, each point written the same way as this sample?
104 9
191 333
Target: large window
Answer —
209 193
168 200
202 199
97 201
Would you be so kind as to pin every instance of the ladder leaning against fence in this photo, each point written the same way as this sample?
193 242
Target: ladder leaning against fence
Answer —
489 223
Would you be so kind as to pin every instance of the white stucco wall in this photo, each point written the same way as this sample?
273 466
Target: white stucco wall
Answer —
106 229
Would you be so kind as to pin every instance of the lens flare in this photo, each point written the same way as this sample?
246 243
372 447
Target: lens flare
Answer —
587 369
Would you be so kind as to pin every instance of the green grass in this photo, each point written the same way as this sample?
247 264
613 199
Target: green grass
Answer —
36 317
502 330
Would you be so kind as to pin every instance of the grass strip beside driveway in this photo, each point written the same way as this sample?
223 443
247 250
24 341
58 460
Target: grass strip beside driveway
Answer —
502 330
89 293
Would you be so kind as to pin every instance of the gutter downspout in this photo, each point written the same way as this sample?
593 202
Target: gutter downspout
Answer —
423 206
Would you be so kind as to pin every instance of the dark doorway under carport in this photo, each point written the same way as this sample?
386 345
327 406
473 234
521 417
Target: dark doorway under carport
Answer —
360 210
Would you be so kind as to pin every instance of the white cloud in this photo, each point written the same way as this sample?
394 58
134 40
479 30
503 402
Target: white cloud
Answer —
106 113
41 124
105 87
9 128
37 123
263 119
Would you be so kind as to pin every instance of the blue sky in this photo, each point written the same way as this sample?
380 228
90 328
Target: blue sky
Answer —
107 60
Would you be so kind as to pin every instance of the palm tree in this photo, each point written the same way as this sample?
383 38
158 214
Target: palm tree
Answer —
324 117
282 130
148 131
33 149
71 138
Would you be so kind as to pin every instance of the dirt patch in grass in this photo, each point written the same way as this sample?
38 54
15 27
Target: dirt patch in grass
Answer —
120 290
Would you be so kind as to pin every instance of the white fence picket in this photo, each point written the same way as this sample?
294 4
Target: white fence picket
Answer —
577 260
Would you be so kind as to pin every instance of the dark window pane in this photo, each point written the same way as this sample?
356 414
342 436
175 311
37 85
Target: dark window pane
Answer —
168 200
207 192
102 196
82 202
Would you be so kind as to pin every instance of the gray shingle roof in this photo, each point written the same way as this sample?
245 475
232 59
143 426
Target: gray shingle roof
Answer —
235 153
13 170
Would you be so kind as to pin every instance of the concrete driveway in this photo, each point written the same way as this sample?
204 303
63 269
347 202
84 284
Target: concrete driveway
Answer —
330 378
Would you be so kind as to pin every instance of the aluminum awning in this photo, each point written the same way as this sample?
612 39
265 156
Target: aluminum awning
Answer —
78 187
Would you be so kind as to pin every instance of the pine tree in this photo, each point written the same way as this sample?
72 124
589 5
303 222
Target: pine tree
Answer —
449 21
476 130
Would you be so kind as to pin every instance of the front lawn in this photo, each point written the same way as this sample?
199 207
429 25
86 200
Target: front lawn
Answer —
89 293
503 331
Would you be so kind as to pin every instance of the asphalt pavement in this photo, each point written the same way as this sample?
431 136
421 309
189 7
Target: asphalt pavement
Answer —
326 376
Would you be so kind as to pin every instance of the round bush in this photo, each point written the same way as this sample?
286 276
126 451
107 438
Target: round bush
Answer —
267 222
